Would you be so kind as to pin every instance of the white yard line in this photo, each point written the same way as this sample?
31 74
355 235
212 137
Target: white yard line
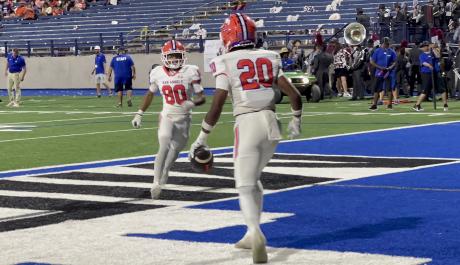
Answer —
141 185
92 198
65 120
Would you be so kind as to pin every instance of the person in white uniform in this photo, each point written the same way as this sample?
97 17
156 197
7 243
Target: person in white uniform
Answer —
181 89
247 76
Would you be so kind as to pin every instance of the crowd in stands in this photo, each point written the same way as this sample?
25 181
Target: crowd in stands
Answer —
435 17
32 9
346 70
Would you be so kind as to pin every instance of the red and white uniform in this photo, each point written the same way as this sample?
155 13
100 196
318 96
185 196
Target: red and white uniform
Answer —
248 76
176 87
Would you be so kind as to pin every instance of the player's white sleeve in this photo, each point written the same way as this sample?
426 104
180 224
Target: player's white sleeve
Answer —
280 66
218 67
196 80
153 84
222 82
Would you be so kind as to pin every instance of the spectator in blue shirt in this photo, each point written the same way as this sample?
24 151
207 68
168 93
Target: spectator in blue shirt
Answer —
430 69
384 61
286 61
99 69
125 72
15 71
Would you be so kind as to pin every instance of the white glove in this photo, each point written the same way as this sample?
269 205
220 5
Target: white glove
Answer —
188 105
294 127
137 120
200 141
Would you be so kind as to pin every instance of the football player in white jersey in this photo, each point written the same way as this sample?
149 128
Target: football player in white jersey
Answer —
177 83
247 76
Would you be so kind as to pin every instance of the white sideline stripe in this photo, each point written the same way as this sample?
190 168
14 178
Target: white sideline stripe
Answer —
6 213
119 184
121 170
273 160
285 141
95 198
92 133
81 119
14 130
94 112
31 215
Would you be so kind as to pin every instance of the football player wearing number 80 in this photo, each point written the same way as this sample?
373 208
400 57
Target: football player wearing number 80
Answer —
247 76
180 86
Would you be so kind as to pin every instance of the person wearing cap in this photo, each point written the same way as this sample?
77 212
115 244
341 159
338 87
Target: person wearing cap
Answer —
15 71
287 62
123 67
430 69
99 70
384 61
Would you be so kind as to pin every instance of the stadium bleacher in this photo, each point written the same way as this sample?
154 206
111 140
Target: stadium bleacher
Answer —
104 25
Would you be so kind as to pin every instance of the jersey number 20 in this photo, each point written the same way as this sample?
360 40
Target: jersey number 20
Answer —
262 67
176 94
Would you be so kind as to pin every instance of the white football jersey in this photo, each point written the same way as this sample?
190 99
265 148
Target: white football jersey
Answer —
175 86
248 75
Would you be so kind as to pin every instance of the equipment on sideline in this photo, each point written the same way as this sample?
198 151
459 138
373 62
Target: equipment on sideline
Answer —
202 160
354 33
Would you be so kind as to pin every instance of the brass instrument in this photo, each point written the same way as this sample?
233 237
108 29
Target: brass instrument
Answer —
354 33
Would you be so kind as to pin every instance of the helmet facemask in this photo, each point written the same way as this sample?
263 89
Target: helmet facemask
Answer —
173 59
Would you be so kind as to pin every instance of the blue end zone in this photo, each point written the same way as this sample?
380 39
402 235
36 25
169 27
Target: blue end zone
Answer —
385 221
427 141
413 213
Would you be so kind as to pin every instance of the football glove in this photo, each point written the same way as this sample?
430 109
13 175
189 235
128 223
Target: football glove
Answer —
200 141
137 120
294 127
188 105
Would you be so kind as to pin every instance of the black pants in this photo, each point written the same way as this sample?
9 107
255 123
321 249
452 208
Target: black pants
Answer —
414 76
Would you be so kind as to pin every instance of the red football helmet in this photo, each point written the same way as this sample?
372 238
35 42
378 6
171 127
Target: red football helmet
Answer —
238 30
170 48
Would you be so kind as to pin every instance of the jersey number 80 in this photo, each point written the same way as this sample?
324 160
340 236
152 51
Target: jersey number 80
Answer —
173 95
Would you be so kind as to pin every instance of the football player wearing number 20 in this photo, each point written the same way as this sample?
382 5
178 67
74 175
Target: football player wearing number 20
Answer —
180 86
247 76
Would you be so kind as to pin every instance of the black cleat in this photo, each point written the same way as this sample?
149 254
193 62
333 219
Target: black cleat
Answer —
373 107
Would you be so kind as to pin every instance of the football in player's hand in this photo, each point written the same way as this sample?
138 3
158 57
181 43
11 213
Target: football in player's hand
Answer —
202 160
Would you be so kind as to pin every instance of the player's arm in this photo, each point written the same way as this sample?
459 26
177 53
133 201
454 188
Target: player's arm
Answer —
213 115
148 98
199 98
23 73
133 69
294 127
110 74
6 68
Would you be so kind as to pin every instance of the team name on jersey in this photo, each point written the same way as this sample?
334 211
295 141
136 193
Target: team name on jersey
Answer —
173 82
120 59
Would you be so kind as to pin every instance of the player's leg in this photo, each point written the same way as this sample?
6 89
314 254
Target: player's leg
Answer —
119 91
179 140
267 149
129 91
250 145
9 85
98 90
106 85
165 130
17 90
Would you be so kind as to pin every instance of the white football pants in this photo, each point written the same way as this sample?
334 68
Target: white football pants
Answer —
173 133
